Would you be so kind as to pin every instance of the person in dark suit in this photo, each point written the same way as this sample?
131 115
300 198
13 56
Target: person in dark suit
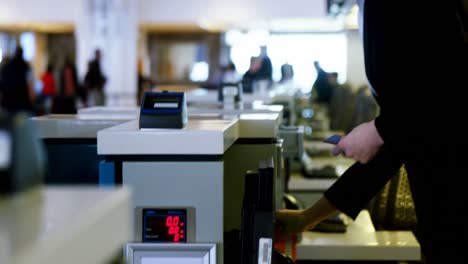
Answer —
322 85
95 81
420 118
16 85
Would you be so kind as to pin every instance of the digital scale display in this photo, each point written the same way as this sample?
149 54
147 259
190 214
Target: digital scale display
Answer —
165 225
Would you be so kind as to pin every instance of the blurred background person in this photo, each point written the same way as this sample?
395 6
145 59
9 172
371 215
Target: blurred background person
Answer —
230 74
266 68
66 101
16 82
322 87
251 75
69 85
287 73
95 80
49 88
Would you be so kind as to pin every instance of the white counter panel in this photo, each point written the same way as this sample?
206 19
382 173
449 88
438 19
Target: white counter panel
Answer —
199 137
259 125
70 126
360 242
109 112
56 225
237 109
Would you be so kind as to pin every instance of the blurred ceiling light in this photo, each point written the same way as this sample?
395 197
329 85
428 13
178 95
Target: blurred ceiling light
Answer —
215 26
351 20
28 43
254 37
233 37
199 72
258 37
301 25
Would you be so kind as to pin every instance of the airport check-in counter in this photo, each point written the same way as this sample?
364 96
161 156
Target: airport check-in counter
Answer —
259 123
71 145
256 107
314 246
203 100
71 140
259 129
257 140
199 168
292 137
202 95
124 113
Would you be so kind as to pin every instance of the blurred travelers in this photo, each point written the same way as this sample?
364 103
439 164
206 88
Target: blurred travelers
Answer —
49 88
16 82
95 80
229 74
287 73
69 79
265 72
251 74
321 85
66 101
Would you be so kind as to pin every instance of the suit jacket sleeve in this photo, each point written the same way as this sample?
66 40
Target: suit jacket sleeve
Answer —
361 182
408 62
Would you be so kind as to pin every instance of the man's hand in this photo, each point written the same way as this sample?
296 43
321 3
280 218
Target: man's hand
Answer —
290 222
361 144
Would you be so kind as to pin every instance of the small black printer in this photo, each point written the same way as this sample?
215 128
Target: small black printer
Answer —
163 110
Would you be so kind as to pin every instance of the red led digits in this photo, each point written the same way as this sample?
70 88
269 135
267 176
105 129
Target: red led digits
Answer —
170 231
173 224
169 221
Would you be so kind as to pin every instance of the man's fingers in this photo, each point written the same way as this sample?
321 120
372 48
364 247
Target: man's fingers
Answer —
336 151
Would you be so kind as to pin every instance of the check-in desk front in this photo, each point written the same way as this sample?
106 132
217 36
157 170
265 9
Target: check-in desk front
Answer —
71 145
200 167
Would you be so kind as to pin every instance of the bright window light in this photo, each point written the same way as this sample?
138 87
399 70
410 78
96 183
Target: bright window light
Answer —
233 37
200 71
1 55
301 50
240 56
258 37
28 43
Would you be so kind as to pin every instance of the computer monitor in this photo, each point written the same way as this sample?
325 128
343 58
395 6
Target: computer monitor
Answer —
144 253
257 228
